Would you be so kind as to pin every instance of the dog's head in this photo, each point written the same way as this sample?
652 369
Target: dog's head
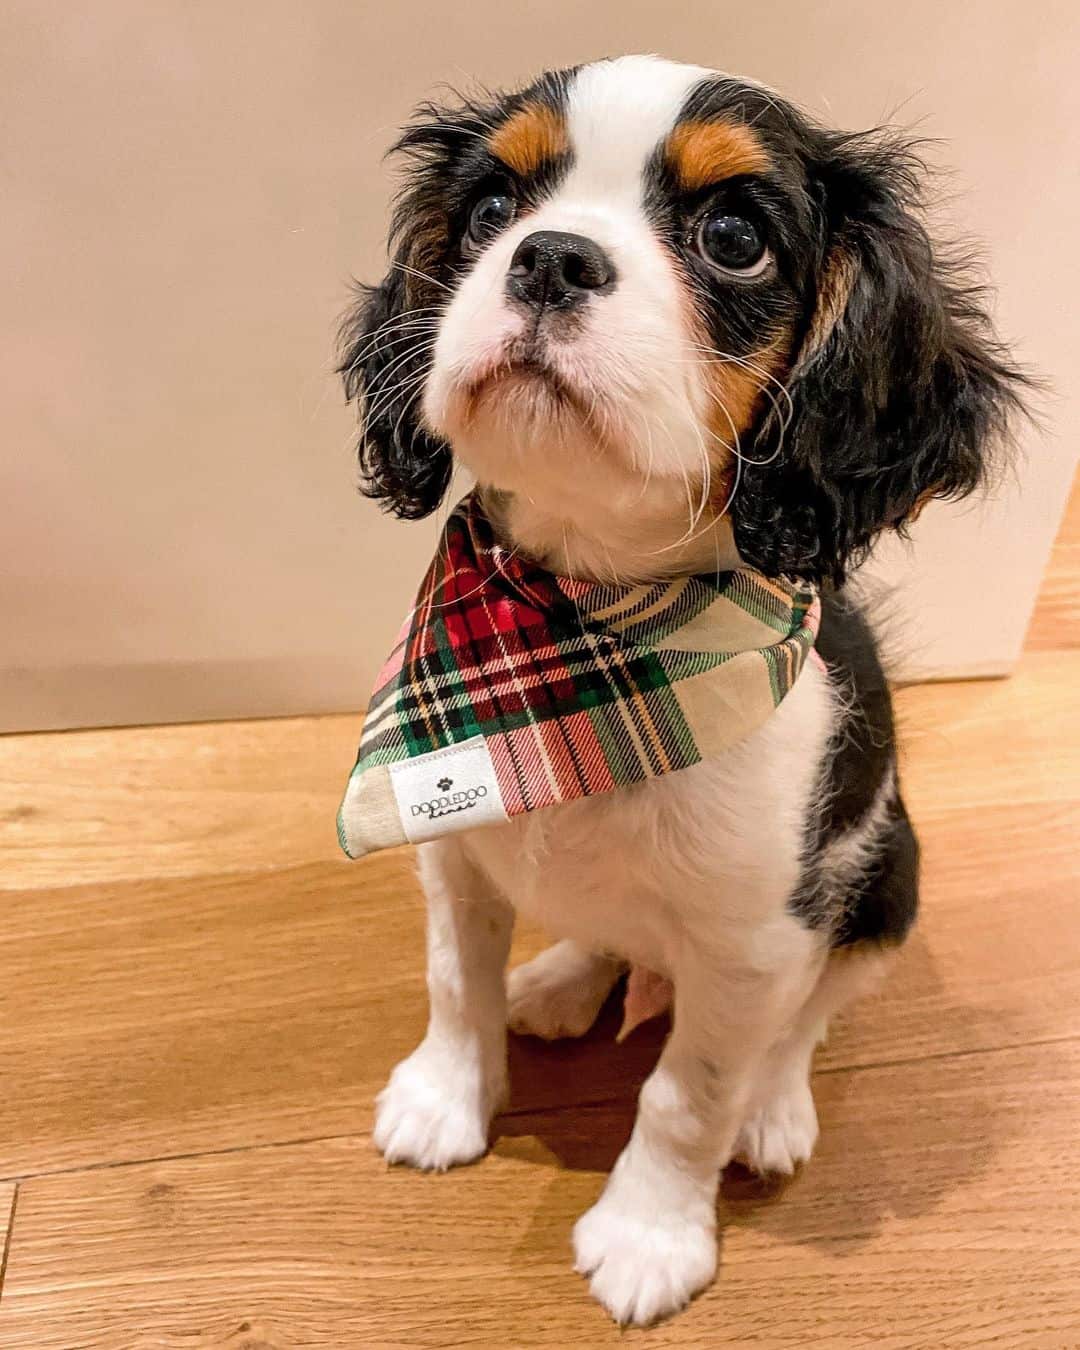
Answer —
638 278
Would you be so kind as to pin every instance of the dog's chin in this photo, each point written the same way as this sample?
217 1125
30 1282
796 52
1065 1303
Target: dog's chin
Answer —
505 420
527 398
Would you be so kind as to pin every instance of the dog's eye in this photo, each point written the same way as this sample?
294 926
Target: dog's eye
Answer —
732 244
489 216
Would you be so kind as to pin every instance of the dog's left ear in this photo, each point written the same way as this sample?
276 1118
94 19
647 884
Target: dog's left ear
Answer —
899 391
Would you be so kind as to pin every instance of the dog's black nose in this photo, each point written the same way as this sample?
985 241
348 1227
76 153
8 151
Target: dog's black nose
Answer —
557 270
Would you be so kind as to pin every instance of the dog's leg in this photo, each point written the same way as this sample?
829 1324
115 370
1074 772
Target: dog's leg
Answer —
436 1108
560 992
781 1127
649 1243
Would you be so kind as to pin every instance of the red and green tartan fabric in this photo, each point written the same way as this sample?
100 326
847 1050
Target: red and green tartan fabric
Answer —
511 689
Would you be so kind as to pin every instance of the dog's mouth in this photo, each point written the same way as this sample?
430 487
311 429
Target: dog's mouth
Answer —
523 381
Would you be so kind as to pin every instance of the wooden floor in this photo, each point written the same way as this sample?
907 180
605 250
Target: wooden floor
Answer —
199 1000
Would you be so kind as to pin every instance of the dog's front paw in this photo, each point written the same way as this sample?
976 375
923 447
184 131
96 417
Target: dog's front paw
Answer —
781 1133
645 1262
560 992
435 1111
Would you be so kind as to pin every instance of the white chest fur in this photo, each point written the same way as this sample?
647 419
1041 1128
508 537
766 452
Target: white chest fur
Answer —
713 849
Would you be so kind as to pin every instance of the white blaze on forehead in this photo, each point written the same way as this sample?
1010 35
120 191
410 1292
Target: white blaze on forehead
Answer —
617 113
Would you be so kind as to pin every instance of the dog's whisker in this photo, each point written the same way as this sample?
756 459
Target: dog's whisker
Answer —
712 356
407 316
439 127
386 400
421 345
499 564
385 391
783 418
385 397
406 405
382 335
425 276
735 447
734 490
646 422
396 338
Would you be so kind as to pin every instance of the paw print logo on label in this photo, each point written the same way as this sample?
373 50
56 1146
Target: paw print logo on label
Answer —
445 784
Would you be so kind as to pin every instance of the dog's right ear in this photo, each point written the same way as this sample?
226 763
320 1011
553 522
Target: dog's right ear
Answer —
385 355
387 337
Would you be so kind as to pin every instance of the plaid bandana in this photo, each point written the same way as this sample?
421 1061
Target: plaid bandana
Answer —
511 689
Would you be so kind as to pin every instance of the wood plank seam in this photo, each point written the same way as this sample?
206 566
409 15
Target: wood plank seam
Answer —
905 1062
523 1112
40 1173
7 1238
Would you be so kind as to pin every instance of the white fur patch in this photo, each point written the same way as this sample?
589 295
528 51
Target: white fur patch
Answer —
618 112
645 1258
433 1113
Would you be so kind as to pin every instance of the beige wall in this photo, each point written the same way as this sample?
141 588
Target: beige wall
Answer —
186 188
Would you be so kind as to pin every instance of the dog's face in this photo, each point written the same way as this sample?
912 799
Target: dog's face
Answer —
642 282
625 302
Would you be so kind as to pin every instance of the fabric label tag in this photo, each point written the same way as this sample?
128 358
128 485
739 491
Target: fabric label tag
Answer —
447 790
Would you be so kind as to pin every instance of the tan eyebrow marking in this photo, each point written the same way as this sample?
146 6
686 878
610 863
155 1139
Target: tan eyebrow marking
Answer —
701 153
532 136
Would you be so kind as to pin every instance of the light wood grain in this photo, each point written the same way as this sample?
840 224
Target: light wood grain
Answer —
1055 622
152 1018
915 1220
171 801
969 745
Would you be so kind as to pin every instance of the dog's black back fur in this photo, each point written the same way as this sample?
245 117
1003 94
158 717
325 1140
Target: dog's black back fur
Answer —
881 900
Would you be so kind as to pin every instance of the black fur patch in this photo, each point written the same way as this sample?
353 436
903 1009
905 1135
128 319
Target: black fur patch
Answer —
880 903
883 906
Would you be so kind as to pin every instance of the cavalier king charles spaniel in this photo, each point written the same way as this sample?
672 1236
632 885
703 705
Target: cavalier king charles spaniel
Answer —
672 327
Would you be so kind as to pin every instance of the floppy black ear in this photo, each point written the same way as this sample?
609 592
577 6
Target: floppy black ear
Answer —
385 347
899 391
387 337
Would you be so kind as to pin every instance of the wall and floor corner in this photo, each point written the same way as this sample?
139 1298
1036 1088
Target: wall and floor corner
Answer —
186 193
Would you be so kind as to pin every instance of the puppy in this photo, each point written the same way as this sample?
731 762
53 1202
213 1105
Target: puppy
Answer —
673 328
